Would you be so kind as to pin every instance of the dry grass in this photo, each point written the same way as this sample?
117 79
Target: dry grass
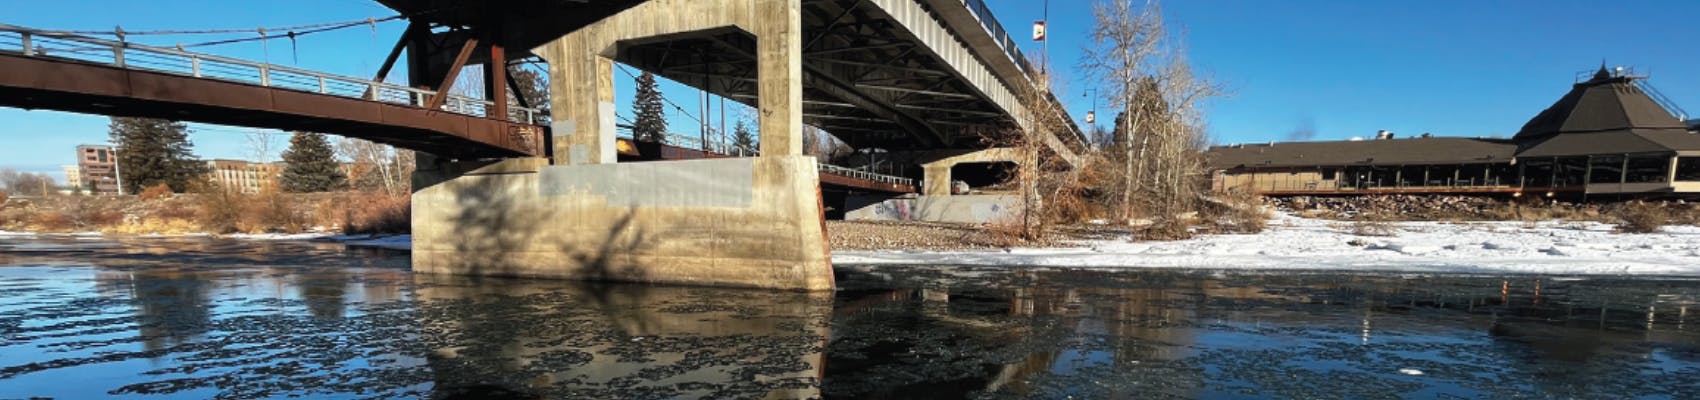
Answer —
378 213
219 210
155 192
77 213
1167 229
272 211
1638 217
209 209
1374 224
1237 211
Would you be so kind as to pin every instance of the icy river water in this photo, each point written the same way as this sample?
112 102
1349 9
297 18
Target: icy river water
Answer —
208 318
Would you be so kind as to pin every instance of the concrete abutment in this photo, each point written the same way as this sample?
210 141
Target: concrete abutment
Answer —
749 222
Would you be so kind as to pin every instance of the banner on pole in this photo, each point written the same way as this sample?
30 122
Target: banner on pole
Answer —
1038 31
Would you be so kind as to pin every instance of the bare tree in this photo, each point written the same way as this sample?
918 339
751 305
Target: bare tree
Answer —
377 167
25 183
1124 39
1159 135
260 144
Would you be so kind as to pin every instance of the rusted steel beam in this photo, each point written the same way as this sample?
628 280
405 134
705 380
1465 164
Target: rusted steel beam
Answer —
413 28
454 72
495 78
73 86
513 86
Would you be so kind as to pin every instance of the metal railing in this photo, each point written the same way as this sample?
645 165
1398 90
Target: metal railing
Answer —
999 34
58 45
865 175
696 143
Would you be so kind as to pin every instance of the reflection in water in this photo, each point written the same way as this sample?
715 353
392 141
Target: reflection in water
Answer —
208 318
570 339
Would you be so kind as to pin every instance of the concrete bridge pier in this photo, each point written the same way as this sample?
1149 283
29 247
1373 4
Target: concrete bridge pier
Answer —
751 222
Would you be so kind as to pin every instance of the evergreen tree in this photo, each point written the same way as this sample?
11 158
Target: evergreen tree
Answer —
742 138
310 165
651 122
154 151
533 87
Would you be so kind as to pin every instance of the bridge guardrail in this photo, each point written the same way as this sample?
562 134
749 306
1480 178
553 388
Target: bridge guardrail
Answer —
39 43
865 175
990 22
980 11
694 143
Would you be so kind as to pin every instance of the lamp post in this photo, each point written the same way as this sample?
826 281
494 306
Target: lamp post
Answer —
117 170
1092 114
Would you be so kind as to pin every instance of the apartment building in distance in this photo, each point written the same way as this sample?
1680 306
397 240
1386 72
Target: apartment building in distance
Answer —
73 177
243 176
96 169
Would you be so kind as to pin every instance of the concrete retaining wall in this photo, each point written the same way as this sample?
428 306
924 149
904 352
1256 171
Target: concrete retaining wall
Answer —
750 222
971 209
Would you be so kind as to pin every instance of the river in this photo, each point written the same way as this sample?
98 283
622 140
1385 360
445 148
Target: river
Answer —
210 318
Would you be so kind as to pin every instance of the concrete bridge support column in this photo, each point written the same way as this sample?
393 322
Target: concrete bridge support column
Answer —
752 222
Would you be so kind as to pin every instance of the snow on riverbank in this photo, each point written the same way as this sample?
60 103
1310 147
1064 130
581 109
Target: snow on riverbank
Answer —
1294 243
396 242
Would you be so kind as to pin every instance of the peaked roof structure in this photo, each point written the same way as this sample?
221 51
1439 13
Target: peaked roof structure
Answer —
1608 114
1605 103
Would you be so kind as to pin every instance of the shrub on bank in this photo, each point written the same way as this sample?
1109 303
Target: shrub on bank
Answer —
1236 211
378 213
1641 217
156 192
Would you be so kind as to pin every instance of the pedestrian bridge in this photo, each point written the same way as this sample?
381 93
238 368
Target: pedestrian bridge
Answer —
64 72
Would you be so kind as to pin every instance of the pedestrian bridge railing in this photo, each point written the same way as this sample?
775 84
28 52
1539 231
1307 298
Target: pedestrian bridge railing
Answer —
58 45
725 149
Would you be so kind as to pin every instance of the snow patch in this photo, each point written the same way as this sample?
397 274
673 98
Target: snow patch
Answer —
1295 243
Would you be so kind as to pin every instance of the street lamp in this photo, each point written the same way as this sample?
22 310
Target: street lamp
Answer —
1092 115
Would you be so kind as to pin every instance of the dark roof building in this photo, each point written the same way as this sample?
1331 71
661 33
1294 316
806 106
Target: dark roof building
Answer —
1611 134
1607 114
1391 152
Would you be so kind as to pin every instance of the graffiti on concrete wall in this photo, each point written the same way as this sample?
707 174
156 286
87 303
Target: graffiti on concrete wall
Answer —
896 210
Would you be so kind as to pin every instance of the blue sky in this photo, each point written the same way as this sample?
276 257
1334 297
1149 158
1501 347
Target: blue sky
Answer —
1347 68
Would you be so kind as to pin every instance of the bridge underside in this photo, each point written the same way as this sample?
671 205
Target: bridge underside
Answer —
864 79
875 73
65 85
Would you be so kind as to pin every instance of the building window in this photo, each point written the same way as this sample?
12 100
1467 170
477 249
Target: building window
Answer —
1537 172
1688 169
1329 174
1570 171
1605 169
1648 169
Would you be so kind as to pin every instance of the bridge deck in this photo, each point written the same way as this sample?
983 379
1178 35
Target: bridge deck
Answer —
61 72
